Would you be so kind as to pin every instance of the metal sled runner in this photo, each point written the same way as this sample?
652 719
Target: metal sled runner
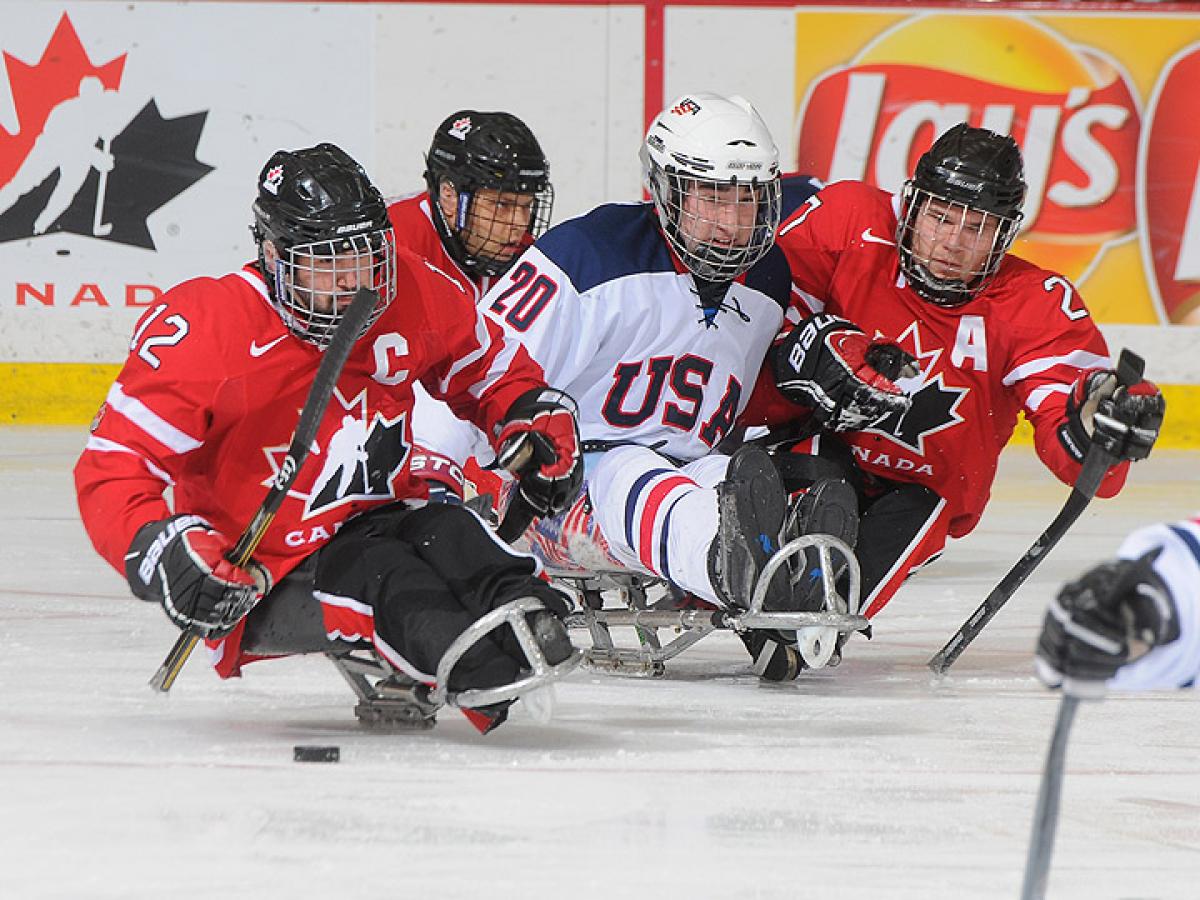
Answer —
817 632
388 698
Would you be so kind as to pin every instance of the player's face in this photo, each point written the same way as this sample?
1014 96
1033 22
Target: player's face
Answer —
952 240
326 284
497 225
718 215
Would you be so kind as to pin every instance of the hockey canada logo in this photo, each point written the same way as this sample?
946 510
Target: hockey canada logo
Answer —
460 128
359 461
84 159
274 179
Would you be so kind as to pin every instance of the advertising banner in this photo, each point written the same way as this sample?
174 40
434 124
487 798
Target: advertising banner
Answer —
131 137
1104 106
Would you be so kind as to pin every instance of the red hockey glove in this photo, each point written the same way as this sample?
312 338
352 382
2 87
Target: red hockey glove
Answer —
441 474
828 364
1104 620
1124 421
539 442
179 563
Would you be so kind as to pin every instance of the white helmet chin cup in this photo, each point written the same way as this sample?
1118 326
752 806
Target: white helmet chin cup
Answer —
717 149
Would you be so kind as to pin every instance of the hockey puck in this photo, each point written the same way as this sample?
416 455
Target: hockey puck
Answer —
301 753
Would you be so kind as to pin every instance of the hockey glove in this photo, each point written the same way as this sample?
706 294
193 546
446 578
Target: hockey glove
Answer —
179 563
1122 421
828 364
539 443
1104 620
442 475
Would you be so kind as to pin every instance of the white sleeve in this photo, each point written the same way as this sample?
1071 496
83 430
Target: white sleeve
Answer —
537 304
436 428
1176 664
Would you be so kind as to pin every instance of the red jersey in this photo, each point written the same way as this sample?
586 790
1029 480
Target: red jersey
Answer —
1018 346
211 393
412 220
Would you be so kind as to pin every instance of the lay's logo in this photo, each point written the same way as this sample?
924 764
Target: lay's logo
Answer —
1170 233
1071 110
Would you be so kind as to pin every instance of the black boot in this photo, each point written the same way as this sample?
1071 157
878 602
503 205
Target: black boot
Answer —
830 507
751 505
774 660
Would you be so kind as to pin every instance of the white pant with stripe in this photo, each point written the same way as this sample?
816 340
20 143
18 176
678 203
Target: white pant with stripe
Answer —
658 517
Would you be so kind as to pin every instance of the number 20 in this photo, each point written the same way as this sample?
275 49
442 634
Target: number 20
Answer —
537 293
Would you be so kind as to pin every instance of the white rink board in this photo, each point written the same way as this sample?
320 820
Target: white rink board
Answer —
376 79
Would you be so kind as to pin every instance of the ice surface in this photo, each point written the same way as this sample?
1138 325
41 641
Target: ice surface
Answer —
873 780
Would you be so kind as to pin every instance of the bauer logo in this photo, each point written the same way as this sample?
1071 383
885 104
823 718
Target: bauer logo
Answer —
1071 110
1170 204
85 158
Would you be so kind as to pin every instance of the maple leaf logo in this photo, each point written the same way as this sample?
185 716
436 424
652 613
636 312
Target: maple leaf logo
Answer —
934 403
77 162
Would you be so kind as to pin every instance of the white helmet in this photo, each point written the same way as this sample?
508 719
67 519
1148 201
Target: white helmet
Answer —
713 170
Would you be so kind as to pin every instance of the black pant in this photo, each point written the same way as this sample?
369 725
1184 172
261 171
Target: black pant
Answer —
428 574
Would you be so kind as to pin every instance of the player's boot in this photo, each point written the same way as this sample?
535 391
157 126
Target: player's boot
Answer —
830 507
774 659
551 636
751 508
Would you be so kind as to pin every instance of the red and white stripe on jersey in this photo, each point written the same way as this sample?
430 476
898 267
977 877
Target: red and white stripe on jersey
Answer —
1068 368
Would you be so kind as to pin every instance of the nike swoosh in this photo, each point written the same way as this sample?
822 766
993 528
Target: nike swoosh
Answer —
256 350
870 238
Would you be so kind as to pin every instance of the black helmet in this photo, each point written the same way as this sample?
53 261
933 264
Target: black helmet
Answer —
967 169
325 221
486 151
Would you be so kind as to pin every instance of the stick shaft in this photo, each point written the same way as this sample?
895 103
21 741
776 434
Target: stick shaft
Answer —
1096 464
1045 819
332 362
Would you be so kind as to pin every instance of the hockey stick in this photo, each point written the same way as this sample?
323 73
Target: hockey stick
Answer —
1045 820
311 414
1095 465
520 513
99 228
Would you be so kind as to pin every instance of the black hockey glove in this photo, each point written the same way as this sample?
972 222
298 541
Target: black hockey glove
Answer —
1123 421
539 443
179 562
829 364
1104 620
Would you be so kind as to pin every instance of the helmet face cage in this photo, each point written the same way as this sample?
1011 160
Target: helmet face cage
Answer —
712 169
717 229
967 189
323 232
313 283
492 227
502 180
980 238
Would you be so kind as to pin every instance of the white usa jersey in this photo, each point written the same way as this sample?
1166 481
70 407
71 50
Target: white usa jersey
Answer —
1176 664
616 322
